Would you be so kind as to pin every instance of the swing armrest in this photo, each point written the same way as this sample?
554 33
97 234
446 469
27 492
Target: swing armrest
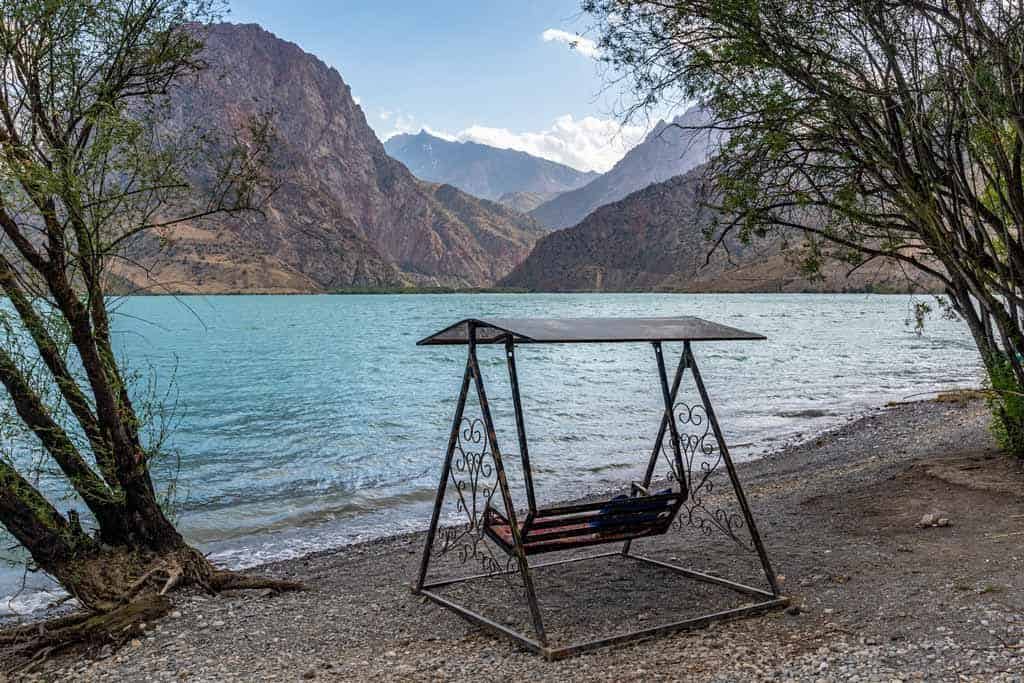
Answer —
492 516
635 488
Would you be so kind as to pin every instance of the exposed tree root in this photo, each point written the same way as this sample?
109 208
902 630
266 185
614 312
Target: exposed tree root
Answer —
169 572
21 633
25 647
117 615
172 572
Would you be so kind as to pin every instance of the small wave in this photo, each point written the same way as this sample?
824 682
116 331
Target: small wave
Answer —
301 512
609 466
806 412
27 603
273 548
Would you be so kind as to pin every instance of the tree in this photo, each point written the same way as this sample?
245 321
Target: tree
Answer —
881 129
88 166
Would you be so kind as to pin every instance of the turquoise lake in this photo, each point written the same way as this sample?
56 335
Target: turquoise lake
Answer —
303 423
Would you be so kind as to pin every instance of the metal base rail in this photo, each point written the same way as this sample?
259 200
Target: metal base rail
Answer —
551 652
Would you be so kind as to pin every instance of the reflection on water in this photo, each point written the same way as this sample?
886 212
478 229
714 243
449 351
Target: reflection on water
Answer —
308 422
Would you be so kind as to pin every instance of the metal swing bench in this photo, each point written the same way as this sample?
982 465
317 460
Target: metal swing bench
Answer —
474 470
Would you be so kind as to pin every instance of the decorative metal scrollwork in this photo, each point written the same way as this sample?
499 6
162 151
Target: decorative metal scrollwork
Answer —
473 479
701 460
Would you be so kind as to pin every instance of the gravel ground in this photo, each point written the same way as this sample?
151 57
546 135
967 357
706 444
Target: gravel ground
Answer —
875 596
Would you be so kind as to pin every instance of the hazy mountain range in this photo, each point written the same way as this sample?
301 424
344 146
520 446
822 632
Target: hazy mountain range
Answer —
670 149
525 202
349 215
481 170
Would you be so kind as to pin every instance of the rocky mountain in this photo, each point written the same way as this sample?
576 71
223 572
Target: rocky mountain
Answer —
667 151
654 239
481 170
525 202
345 214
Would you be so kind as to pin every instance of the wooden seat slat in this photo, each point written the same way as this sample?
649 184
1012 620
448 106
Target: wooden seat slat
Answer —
588 524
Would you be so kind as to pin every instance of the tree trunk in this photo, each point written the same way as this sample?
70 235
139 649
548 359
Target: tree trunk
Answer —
1001 367
100 576
81 177
110 577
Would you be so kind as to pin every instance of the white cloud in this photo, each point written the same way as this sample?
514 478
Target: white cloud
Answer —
585 46
589 144
357 100
441 134
398 122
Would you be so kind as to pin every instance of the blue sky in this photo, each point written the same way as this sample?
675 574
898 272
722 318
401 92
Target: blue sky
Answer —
490 71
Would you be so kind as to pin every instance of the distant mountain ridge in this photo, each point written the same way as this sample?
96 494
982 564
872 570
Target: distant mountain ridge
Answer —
525 202
654 240
669 150
345 215
482 170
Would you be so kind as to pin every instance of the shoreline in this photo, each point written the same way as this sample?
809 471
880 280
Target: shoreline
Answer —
591 493
370 291
786 443
786 449
877 596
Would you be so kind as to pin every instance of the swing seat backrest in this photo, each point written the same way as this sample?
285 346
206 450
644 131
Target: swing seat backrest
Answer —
577 526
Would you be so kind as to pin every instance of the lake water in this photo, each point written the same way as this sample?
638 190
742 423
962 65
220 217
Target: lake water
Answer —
305 423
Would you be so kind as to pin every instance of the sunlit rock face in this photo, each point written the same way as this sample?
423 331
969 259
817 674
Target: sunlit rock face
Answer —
657 239
345 214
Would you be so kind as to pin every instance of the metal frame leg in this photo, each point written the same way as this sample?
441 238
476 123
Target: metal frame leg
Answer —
510 508
442 487
733 477
474 374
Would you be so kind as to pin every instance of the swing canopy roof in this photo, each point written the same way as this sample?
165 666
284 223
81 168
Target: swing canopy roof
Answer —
586 331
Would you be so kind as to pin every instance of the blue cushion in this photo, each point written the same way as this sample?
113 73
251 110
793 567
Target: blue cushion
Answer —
626 504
